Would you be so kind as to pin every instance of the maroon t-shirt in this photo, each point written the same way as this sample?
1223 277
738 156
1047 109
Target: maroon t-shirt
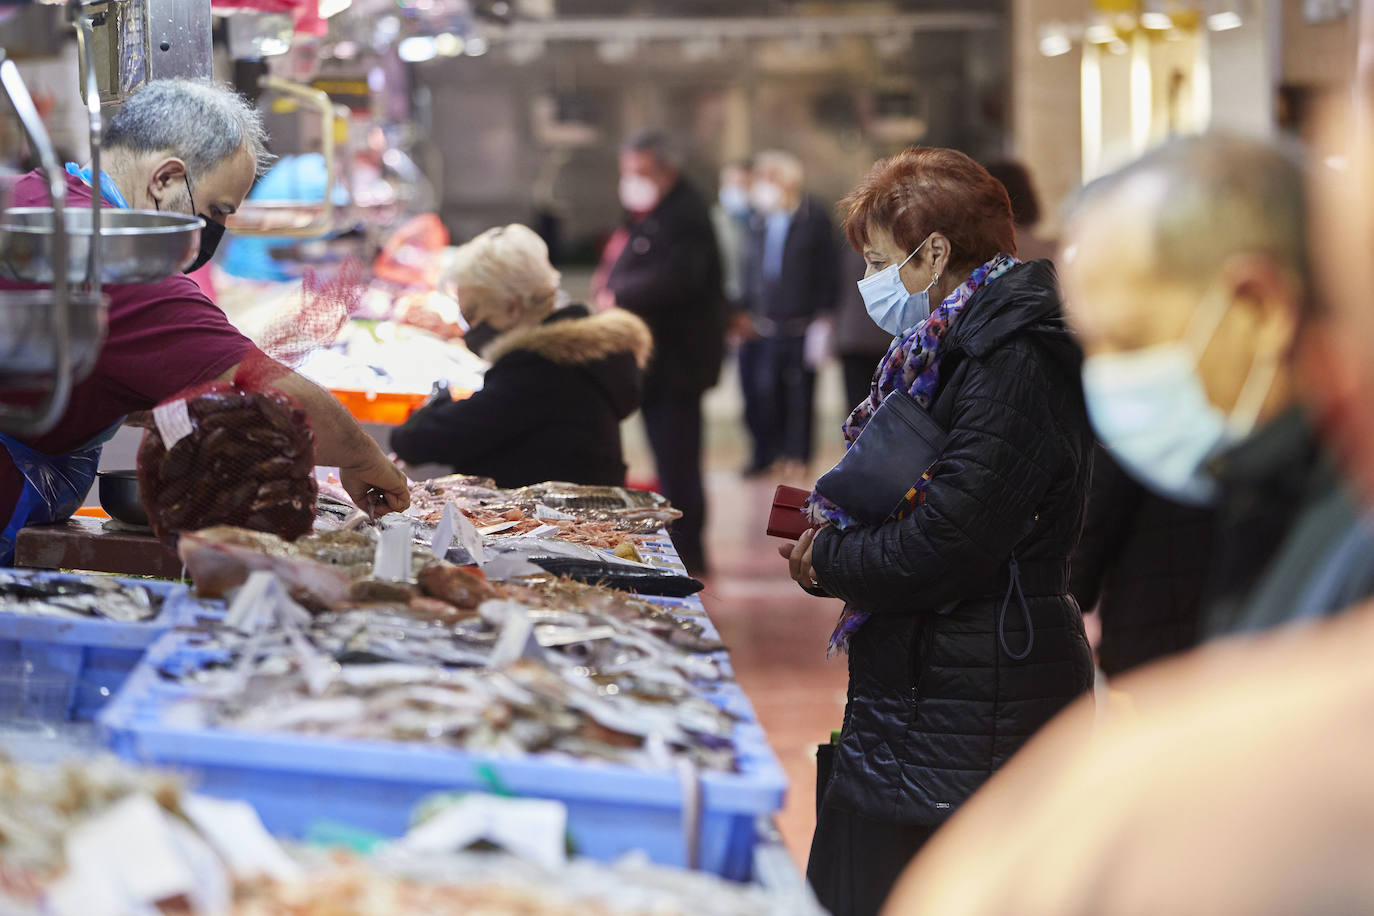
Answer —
163 337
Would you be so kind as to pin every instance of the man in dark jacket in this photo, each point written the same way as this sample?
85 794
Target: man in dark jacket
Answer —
1141 563
1189 313
791 278
664 266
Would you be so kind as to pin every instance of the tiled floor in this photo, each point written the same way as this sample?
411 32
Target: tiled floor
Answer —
776 634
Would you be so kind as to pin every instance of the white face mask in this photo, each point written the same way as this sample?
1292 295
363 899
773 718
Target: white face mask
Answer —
889 304
1151 410
734 200
638 194
765 196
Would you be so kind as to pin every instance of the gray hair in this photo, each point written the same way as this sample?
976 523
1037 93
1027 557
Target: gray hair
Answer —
507 264
655 143
199 121
784 165
1222 194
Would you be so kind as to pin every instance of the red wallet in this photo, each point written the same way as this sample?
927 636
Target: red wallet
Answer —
788 517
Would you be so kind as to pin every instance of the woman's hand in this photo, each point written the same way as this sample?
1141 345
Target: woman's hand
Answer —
798 557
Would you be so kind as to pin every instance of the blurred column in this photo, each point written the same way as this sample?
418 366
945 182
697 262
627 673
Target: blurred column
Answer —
1046 120
735 139
1244 64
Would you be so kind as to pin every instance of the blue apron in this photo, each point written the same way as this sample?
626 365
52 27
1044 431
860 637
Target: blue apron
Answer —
54 485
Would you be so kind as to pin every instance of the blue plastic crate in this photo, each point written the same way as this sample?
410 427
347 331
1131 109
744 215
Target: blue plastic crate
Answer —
57 669
295 780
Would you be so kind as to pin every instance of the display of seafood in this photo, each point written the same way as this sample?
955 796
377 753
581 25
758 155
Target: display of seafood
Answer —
333 571
39 805
495 884
85 596
229 456
595 516
65 834
583 685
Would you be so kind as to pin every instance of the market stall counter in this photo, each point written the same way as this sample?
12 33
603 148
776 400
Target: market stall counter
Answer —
92 544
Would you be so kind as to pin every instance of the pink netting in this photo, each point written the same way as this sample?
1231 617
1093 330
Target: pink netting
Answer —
327 302
241 454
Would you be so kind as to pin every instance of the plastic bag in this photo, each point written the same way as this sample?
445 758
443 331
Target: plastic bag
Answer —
433 312
54 486
235 453
411 256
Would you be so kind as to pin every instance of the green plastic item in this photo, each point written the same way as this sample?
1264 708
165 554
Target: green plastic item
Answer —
835 736
336 835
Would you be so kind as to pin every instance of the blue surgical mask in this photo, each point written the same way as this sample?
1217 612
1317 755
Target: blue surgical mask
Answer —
1151 410
889 304
734 200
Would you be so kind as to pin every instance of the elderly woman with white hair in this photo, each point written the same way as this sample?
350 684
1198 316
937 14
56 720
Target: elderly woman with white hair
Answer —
561 379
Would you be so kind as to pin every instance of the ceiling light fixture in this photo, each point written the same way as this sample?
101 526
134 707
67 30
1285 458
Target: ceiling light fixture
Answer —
417 49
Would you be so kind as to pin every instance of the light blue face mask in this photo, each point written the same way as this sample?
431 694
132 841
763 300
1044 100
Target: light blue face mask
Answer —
889 304
1151 409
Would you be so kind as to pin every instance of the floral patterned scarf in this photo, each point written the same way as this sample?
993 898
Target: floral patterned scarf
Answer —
912 363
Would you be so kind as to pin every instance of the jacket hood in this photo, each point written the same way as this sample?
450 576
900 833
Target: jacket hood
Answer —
1024 300
612 346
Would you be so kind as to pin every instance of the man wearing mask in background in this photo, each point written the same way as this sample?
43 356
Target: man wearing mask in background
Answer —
730 217
664 266
791 280
1187 278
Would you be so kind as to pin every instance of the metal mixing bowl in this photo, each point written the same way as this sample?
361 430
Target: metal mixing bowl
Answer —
26 342
136 246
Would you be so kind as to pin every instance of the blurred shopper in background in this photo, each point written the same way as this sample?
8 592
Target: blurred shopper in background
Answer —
664 266
1241 783
791 278
558 375
962 636
1187 277
1141 563
858 341
731 217
1025 208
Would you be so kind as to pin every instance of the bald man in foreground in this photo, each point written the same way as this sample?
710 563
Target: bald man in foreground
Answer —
1239 783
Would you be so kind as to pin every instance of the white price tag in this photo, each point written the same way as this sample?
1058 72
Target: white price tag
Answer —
237 834
392 560
533 829
173 422
546 514
469 538
443 535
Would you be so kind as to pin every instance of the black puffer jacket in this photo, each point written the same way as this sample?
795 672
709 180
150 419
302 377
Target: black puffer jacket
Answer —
550 406
1142 563
936 703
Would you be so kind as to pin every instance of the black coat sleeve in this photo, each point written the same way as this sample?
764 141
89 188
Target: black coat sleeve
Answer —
1112 502
826 255
999 461
682 270
457 433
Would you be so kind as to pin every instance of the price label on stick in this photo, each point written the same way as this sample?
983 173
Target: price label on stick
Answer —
468 537
443 535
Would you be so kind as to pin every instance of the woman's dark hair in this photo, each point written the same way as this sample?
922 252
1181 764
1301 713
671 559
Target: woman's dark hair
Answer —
1025 206
927 189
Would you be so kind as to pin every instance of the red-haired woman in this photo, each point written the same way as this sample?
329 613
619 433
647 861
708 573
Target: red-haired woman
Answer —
962 636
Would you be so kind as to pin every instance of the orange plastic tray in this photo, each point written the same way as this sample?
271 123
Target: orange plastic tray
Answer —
384 408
